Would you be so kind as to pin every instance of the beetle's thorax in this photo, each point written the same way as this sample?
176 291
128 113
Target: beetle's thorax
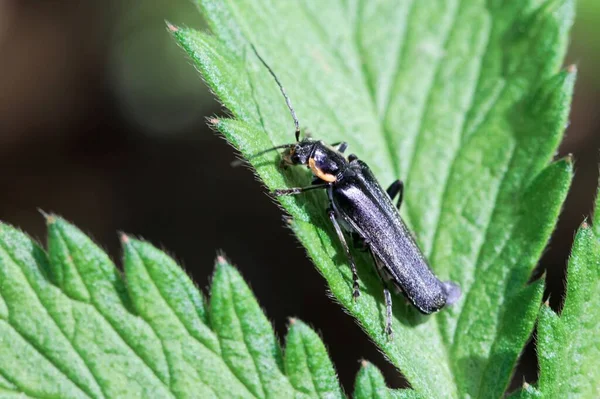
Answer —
326 163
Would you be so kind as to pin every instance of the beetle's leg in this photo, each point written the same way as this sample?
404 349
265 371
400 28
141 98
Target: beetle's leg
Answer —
338 230
340 146
396 188
386 296
299 190
388 313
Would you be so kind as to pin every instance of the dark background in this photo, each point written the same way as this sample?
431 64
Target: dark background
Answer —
102 120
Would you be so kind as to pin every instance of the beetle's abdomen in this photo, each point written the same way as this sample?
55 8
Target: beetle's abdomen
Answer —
364 205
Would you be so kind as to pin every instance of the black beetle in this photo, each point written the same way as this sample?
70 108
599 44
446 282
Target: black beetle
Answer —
359 204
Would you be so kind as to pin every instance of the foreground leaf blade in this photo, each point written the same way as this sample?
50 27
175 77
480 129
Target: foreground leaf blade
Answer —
147 335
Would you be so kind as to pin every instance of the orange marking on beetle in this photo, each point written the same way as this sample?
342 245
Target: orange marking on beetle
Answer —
329 178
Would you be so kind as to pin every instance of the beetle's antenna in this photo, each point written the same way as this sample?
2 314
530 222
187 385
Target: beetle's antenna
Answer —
285 96
238 162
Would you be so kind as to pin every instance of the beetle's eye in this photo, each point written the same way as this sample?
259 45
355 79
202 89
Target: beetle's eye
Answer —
295 156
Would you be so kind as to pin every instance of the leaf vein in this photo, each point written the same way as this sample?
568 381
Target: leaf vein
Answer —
487 231
367 78
400 55
323 32
312 375
17 387
427 103
59 329
109 322
189 332
445 193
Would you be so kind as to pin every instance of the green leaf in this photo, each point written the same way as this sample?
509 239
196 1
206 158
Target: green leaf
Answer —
568 345
307 364
72 327
371 385
465 101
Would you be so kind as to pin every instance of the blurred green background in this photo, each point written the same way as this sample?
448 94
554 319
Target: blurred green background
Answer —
102 120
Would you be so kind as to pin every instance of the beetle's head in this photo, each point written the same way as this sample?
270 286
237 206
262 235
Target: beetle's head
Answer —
299 153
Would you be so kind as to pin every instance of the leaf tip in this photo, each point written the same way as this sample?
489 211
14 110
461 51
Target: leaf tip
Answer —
221 259
525 385
171 28
124 238
566 163
292 321
50 218
585 224
569 158
572 69
364 364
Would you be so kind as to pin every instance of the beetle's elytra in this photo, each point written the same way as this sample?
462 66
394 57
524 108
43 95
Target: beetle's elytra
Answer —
360 206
